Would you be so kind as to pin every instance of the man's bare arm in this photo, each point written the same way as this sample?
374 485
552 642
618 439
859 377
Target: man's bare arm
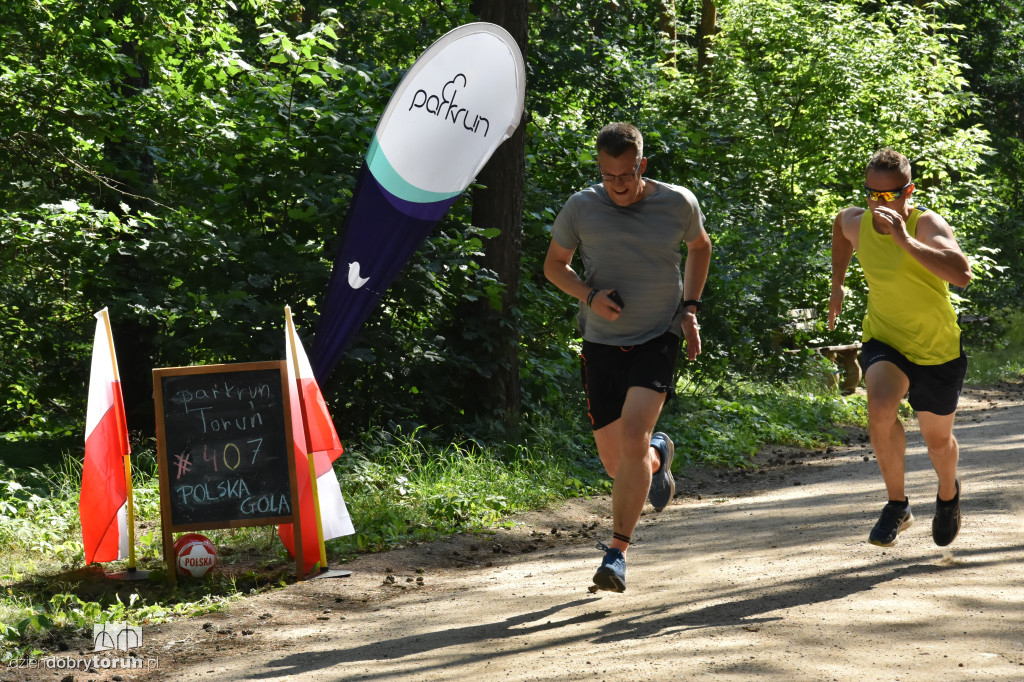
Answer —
698 262
934 246
559 271
842 254
695 275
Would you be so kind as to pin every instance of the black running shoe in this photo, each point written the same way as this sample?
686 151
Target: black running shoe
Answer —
946 522
896 517
611 576
663 483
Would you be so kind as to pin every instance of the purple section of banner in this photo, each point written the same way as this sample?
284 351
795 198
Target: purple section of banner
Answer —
428 211
381 233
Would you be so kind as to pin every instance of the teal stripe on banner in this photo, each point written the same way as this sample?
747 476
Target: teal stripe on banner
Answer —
389 178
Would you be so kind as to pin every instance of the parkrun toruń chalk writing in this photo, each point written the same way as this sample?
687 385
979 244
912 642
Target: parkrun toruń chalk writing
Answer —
226 451
201 400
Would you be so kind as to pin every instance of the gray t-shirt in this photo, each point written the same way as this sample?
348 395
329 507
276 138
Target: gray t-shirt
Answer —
635 250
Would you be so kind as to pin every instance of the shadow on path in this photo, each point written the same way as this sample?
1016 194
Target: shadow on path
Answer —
748 611
513 626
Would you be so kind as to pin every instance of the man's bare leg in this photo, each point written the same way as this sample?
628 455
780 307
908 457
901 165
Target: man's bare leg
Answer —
945 453
887 385
943 449
625 450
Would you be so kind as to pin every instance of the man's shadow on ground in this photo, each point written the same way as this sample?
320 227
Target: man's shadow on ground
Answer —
748 611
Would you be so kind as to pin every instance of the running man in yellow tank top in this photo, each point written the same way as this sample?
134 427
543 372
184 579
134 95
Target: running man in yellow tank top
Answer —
911 342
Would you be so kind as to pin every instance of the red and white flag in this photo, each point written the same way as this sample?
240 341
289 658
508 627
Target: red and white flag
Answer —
103 505
313 432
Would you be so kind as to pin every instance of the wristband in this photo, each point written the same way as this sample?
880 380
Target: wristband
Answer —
691 301
590 297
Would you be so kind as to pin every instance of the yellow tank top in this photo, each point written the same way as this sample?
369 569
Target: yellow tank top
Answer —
909 308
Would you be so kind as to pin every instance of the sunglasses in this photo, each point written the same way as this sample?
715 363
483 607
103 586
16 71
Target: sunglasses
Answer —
887 195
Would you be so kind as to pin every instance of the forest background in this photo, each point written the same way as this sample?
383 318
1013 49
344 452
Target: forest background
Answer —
188 164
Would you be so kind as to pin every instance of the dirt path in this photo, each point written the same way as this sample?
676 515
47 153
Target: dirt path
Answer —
760 575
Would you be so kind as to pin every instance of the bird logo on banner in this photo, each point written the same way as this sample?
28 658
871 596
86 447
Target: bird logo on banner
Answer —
354 280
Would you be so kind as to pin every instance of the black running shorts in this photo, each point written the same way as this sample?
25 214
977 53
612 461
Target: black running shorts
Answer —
933 388
609 371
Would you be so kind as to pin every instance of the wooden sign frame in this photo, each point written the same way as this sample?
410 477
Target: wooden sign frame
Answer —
163 460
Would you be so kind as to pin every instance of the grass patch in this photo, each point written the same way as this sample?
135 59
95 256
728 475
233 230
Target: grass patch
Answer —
399 489
729 427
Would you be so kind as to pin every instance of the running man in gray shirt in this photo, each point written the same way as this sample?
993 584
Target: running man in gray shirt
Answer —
635 302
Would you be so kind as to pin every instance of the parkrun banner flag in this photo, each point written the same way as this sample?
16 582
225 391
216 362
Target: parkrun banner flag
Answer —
461 99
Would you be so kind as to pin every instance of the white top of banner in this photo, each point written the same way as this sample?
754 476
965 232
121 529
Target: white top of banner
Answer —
459 101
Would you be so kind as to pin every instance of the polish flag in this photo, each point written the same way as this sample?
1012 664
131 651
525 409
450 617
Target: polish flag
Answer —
103 505
313 432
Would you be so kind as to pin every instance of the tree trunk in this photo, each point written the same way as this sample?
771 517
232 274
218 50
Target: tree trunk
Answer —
133 173
708 27
667 26
499 204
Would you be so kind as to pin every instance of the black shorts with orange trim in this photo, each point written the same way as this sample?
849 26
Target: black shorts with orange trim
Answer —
608 372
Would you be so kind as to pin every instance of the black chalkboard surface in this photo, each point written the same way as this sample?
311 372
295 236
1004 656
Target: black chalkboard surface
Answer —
224 447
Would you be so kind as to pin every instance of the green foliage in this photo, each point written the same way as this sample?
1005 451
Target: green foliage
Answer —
37 627
189 165
991 40
1001 354
775 137
203 161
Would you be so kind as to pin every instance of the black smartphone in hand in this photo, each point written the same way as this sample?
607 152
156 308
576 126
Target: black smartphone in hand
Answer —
614 296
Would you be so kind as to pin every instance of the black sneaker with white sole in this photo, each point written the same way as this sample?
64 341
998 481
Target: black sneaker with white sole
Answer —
896 517
946 522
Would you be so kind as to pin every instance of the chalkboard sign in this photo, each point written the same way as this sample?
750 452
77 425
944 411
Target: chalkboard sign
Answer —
224 447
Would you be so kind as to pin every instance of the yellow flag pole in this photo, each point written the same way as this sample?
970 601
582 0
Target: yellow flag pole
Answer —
127 457
305 434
